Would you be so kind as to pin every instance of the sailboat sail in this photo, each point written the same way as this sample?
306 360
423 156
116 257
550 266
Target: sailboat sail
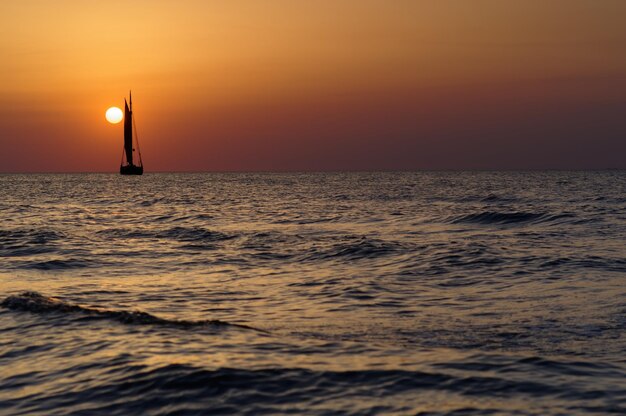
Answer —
128 133
130 168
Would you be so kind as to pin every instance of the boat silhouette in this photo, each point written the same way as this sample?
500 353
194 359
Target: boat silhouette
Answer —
128 167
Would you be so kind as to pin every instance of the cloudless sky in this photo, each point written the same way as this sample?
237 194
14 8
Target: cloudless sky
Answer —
314 85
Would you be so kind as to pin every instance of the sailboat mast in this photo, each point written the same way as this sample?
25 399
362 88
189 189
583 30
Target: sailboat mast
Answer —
128 133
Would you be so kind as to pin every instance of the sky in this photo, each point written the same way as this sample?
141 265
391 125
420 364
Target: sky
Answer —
294 85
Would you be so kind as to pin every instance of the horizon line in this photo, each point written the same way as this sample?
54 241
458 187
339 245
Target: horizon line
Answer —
326 171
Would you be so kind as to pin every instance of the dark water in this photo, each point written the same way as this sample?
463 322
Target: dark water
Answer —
363 293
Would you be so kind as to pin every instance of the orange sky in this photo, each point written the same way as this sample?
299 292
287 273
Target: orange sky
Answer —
303 85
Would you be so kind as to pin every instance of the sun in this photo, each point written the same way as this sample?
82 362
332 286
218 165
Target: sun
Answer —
114 115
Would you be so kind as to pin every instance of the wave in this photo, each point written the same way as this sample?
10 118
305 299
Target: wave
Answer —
58 264
26 242
35 302
150 202
601 263
183 234
362 249
493 198
482 198
489 217
33 236
305 221
187 389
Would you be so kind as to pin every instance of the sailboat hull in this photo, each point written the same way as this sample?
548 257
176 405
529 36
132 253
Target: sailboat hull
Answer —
131 170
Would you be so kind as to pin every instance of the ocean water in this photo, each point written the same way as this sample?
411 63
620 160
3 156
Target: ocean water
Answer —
430 293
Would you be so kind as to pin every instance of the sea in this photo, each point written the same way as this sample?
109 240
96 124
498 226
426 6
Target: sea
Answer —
376 293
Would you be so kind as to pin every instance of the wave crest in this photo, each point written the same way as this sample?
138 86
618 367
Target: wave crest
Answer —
490 217
182 234
188 389
35 302
26 242
362 249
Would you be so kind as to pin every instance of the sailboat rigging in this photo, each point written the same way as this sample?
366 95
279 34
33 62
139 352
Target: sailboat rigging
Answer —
128 166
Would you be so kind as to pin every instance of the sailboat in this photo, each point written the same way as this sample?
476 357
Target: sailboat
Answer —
129 168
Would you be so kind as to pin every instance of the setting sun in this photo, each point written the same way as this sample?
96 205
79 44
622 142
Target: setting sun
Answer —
114 115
